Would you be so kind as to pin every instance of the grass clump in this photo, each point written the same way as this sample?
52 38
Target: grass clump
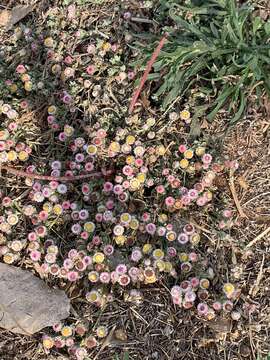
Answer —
218 48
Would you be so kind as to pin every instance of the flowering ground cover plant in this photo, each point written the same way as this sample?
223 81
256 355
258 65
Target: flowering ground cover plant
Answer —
102 203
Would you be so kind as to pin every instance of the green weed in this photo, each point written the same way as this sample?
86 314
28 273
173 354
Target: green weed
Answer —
219 48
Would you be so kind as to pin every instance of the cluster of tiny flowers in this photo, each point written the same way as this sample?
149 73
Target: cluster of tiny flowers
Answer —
195 293
12 150
119 230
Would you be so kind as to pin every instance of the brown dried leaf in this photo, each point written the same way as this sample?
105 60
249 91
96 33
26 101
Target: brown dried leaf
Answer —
4 18
204 124
17 13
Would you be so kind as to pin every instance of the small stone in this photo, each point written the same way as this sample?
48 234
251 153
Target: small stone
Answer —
27 304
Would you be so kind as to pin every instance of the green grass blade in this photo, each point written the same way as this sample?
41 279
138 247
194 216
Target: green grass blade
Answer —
224 95
241 109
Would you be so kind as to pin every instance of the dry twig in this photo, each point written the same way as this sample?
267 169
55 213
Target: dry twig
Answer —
234 194
259 237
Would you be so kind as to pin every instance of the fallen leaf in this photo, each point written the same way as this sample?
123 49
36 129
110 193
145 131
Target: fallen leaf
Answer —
4 18
10 18
204 124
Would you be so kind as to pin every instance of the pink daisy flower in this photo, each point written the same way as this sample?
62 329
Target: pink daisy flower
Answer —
195 282
66 205
99 217
89 166
170 178
161 231
68 264
32 236
165 172
193 194
169 201
201 201
84 235
41 231
171 251
182 148
150 228
43 215
90 69
136 255
202 309
96 240
217 306
182 238
139 163
193 257
62 136
108 186
207 158
85 189
145 217
133 272
124 280
72 276
68 60
105 277
127 170
186 200
20 69
108 250
160 189
121 269
35 255
73 253
110 204
118 189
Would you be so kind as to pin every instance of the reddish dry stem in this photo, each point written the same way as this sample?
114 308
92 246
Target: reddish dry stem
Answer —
25 174
146 73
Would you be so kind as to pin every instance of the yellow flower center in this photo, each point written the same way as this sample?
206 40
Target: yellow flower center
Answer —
89 227
184 163
98 258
